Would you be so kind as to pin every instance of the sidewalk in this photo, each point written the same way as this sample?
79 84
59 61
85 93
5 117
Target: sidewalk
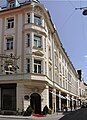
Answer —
55 116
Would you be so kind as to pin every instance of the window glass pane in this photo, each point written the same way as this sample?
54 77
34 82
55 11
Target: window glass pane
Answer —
10 23
37 41
28 40
28 18
28 68
28 65
37 61
37 20
39 68
35 68
9 43
7 46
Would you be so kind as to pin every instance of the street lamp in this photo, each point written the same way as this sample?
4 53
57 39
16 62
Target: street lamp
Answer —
84 12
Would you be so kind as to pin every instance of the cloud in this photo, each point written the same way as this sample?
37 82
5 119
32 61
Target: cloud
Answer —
85 56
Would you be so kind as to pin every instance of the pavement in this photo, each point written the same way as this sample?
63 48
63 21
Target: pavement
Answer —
55 116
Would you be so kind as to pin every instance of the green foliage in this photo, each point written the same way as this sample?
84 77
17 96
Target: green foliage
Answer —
28 111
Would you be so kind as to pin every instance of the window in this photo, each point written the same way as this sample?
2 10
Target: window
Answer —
45 44
11 4
37 20
50 73
10 23
63 84
49 35
45 68
9 43
60 68
37 66
49 53
28 15
63 70
37 41
28 40
56 59
28 65
66 73
60 81
59 55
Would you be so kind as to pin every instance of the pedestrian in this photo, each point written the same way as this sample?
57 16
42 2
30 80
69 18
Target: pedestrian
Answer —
45 110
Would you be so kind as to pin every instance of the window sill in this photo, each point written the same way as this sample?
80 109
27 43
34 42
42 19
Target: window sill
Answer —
37 48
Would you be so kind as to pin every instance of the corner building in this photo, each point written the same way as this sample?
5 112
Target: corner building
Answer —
34 67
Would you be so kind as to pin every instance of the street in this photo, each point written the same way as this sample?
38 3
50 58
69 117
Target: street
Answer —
80 114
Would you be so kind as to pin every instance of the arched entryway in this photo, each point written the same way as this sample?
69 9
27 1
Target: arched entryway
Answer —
35 102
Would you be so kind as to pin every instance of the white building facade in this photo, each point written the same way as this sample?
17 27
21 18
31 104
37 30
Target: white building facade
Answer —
34 67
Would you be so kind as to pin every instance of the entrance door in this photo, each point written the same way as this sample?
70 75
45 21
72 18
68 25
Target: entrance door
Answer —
35 102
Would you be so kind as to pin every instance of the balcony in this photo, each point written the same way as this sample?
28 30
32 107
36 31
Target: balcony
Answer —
34 27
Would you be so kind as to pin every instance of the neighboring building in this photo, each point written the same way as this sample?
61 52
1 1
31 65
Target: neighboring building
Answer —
82 88
83 93
35 69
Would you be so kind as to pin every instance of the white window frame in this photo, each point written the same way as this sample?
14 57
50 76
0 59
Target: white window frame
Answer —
9 43
37 65
10 24
37 41
37 20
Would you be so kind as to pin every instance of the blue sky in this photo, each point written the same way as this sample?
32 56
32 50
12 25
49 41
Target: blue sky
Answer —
72 29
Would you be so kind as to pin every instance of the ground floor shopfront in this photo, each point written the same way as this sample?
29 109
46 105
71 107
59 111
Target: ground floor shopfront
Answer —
18 96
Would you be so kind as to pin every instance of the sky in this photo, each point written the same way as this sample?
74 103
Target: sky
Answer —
71 26
72 29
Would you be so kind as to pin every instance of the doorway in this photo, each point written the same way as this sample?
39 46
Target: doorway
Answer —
35 102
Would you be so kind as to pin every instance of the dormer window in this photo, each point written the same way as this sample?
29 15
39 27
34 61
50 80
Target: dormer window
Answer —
11 3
